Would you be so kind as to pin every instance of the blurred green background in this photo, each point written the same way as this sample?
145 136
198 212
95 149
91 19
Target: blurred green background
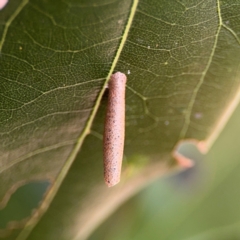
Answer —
22 202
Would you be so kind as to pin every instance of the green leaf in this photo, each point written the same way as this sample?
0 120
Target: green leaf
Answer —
182 63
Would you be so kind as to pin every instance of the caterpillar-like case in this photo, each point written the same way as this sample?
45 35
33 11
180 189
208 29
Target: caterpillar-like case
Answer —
114 130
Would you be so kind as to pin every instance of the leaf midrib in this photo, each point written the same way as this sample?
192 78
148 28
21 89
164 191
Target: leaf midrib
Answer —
61 176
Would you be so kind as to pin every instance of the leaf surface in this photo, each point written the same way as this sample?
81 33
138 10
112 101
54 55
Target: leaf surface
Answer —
182 63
